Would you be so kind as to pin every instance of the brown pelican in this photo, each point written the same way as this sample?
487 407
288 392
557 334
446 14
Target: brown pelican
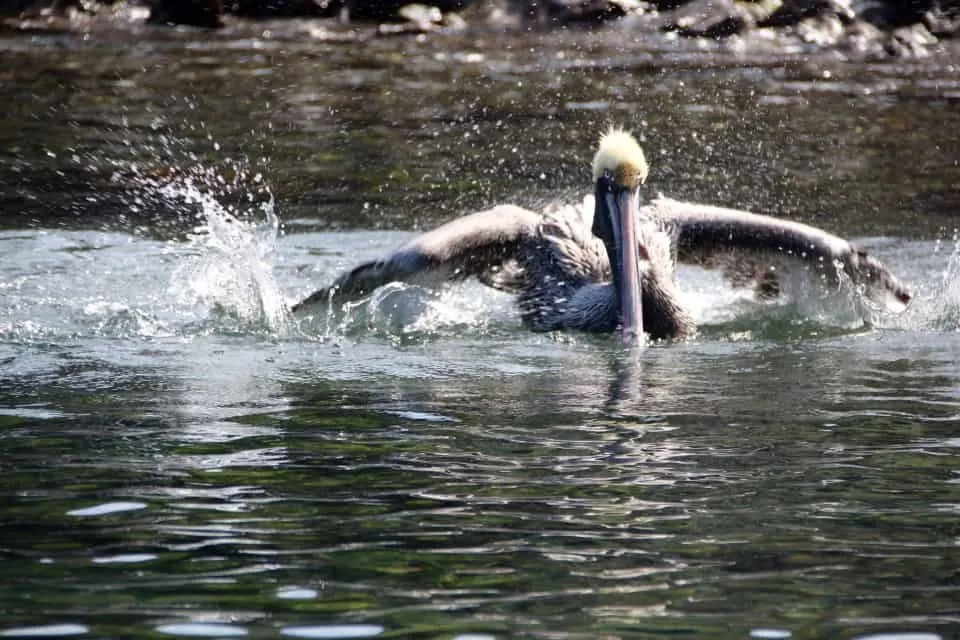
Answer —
615 269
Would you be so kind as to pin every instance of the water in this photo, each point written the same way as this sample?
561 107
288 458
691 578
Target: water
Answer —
181 458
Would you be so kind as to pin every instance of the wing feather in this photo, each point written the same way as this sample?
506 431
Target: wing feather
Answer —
482 244
746 245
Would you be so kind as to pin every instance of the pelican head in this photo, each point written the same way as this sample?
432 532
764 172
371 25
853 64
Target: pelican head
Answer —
619 169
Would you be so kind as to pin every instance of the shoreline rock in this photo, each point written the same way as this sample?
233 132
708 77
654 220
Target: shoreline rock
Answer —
877 28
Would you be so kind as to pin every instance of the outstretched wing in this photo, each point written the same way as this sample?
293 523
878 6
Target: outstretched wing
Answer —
746 246
482 244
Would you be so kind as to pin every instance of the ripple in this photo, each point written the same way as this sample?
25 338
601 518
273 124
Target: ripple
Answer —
125 558
334 631
297 593
906 635
46 631
107 509
423 416
770 634
28 412
202 630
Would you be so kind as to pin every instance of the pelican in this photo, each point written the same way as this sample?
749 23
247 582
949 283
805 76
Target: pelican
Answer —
615 269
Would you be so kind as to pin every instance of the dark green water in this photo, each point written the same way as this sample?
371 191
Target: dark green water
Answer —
180 458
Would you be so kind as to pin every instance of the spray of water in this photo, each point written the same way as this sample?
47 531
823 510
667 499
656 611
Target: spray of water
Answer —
224 273
229 263
224 270
403 313
937 303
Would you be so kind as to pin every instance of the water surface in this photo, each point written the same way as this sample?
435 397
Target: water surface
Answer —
181 458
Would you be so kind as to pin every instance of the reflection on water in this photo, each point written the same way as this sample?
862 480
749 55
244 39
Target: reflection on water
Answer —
183 459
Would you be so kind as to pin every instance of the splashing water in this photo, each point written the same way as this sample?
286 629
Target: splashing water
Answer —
227 265
224 277
938 303
404 313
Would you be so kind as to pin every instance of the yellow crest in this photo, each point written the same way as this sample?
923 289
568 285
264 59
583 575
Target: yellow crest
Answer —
620 154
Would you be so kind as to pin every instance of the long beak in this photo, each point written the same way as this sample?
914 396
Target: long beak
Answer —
627 213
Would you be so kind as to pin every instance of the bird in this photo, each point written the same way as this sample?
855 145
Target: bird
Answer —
609 264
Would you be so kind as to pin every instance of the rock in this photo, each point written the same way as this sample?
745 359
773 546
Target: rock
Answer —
39 8
389 10
419 18
943 20
913 41
545 14
794 12
709 19
859 38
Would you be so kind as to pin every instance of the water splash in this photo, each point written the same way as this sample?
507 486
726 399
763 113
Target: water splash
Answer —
221 277
118 319
226 266
806 307
937 303
404 313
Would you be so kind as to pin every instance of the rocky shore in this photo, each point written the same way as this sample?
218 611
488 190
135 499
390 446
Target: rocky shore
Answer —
860 28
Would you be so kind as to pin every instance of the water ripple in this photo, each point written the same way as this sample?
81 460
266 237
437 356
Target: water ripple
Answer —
333 632
46 631
107 509
202 630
